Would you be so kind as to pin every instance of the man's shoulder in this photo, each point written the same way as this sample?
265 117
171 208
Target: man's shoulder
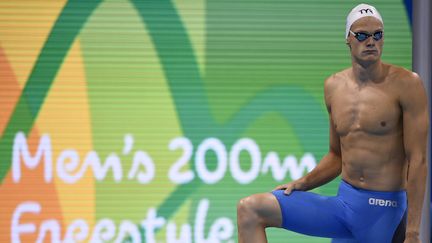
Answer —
402 76
408 84
335 79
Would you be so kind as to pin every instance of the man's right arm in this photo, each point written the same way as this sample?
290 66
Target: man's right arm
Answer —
330 165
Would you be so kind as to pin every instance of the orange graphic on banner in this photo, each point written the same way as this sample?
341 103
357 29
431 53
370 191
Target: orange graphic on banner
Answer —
30 188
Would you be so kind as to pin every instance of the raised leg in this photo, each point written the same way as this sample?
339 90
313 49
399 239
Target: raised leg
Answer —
254 214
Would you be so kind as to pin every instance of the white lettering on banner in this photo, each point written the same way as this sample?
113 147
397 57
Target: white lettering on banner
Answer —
16 228
80 226
100 170
185 233
174 173
128 229
252 148
128 144
141 158
51 226
218 147
70 169
103 231
150 224
272 162
221 229
68 162
20 149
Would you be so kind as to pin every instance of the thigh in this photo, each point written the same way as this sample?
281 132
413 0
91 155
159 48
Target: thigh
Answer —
312 214
388 227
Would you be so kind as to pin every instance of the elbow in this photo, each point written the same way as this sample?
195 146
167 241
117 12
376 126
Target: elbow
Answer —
337 162
417 160
335 155
416 156
417 168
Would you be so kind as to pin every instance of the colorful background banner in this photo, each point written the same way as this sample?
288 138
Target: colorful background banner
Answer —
147 121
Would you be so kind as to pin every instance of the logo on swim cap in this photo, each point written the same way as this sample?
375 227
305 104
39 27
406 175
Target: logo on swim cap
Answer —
366 10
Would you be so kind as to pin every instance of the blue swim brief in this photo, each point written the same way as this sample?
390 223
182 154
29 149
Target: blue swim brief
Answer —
361 215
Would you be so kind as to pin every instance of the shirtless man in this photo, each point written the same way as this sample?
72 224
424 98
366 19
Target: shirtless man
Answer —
378 134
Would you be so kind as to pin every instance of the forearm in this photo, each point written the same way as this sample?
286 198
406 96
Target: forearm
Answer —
329 168
416 183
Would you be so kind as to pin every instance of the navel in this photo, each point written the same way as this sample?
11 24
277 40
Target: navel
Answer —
383 123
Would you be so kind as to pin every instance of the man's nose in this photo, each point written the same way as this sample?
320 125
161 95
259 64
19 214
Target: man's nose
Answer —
370 42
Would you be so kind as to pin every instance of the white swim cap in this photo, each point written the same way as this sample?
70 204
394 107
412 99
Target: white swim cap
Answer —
360 11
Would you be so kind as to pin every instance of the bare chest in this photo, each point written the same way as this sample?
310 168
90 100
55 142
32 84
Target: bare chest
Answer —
370 109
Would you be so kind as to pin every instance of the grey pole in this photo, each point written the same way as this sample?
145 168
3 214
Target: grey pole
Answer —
422 65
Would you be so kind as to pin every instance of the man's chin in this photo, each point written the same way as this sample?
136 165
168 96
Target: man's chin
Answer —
371 59
367 61
371 56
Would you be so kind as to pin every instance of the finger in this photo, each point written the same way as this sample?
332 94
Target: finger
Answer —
280 187
288 190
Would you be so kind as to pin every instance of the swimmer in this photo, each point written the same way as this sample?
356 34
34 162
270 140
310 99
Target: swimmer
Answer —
379 122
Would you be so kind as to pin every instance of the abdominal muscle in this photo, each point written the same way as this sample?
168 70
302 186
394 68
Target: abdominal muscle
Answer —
374 162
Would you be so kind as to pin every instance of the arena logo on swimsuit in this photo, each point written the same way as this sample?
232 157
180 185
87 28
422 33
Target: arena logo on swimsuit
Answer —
382 202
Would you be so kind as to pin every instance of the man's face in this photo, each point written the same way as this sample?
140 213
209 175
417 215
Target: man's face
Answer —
369 50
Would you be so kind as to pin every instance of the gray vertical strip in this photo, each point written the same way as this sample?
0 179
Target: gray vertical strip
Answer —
422 65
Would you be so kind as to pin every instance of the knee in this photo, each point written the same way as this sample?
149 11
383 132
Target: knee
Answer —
247 210
246 205
259 210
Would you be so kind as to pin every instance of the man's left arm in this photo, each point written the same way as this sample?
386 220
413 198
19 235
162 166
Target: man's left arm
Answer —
415 131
